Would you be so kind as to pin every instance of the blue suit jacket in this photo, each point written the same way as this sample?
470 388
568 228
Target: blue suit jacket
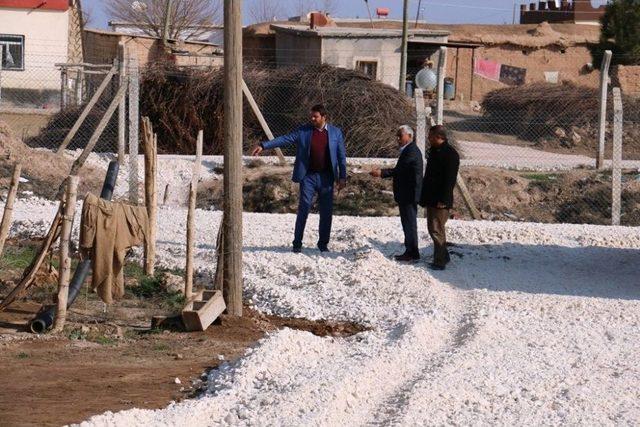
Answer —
301 138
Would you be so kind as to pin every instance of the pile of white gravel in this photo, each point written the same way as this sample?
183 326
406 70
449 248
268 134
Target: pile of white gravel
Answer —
532 324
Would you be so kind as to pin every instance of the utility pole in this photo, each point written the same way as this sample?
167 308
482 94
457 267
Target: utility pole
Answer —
418 12
403 56
232 233
513 20
167 22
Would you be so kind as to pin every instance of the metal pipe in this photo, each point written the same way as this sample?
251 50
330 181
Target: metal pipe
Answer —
44 319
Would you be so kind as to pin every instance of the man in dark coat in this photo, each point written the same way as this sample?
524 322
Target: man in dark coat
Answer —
407 181
440 177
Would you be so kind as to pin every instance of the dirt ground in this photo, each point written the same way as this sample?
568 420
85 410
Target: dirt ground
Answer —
576 196
113 360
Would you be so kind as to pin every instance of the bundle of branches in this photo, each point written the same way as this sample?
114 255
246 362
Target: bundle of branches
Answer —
181 101
60 124
536 110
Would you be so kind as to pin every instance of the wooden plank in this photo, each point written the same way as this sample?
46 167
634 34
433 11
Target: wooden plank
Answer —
79 162
191 218
616 173
8 206
65 261
466 196
87 109
204 313
602 117
261 119
30 273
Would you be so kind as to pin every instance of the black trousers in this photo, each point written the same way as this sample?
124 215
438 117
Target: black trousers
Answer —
409 219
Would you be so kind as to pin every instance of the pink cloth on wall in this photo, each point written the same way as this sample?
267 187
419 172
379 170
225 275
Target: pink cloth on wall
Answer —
487 69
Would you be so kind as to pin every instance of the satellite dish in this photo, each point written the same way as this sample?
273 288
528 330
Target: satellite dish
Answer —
426 79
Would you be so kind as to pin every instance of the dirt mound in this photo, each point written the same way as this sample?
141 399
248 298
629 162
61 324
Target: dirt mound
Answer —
44 170
179 102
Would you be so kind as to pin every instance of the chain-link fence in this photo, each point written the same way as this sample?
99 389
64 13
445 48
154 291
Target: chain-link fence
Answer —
529 150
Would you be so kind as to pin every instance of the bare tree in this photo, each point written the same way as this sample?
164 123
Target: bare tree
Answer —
186 17
266 10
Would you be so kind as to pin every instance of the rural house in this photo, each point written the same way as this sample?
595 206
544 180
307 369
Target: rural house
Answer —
34 36
375 52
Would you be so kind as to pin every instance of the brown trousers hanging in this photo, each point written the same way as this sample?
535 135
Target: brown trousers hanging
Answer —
107 231
436 221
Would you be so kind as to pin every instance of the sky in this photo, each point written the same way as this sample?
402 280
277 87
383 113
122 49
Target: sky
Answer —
436 11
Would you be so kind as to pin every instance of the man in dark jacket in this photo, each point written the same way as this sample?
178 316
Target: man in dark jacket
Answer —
440 178
407 181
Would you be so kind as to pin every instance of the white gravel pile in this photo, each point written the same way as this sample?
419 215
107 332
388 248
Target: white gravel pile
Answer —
532 324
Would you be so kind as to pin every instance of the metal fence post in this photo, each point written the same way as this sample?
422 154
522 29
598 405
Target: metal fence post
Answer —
421 121
602 119
122 108
616 172
134 102
63 88
442 63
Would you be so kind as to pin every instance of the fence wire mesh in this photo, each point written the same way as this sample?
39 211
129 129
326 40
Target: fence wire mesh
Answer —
529 151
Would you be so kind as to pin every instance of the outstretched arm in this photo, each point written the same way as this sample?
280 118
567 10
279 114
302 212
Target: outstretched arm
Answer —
281 141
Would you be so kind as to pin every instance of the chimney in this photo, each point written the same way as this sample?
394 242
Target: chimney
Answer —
542 5
523 8
551 5
564 5
532 6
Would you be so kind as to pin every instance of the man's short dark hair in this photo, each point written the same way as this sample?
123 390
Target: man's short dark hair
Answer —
319 108
439 131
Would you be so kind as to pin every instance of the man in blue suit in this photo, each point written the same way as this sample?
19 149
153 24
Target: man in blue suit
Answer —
320 162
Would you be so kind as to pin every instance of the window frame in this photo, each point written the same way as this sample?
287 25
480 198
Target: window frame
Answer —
370 60
22 51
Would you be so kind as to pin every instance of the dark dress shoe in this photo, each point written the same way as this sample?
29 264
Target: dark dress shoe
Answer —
296 249
323 248
406 258
438 267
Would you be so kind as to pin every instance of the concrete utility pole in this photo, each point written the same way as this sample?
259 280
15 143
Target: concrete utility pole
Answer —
232 234
403 56
167 22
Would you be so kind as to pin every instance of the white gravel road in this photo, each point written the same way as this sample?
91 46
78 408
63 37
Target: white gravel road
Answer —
532 325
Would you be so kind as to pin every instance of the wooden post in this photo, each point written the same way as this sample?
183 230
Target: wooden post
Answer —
403 48
602 118
265 127
65 261
134 105
233 156
122 108
616 173
191 219
466 196
87 110
421 122
167 21
150 193
8 207
218 282
442 62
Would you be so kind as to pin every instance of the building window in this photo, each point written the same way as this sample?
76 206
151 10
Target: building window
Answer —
370 68
12 52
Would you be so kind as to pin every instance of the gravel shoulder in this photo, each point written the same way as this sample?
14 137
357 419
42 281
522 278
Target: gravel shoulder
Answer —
533 323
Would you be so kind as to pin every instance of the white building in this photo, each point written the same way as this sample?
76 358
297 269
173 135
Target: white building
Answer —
34 36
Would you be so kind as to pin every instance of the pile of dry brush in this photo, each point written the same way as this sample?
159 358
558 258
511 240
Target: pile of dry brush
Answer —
537 110
181 101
